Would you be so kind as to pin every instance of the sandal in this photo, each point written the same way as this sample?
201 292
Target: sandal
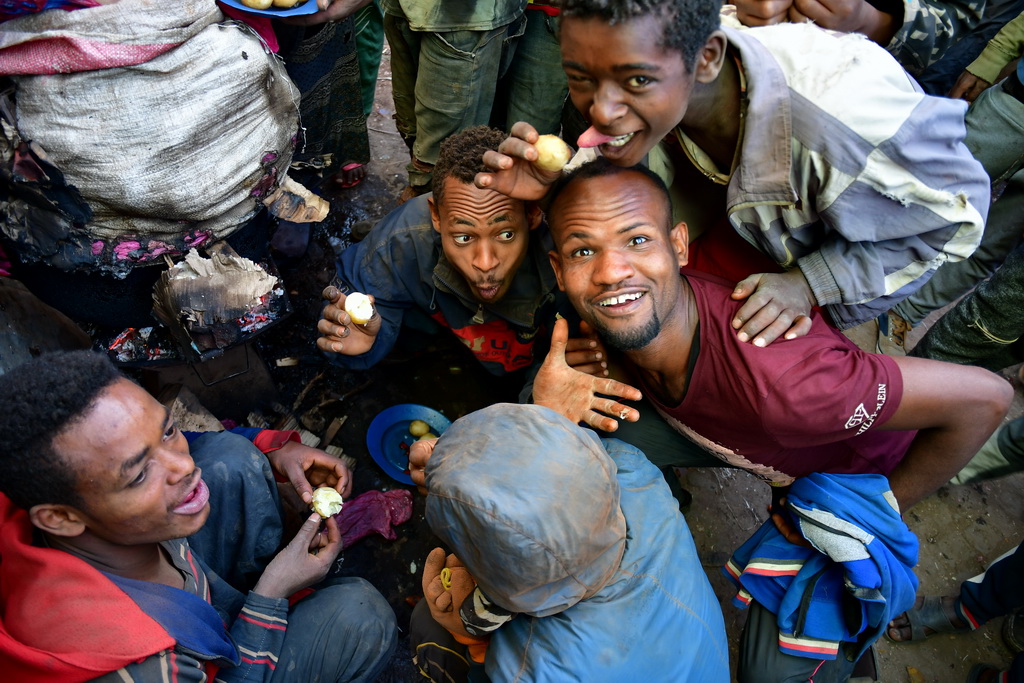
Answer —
974 676
350 175
930 615
1013 631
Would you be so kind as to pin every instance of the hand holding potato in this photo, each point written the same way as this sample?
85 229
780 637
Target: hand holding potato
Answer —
514 171
552 153
339 332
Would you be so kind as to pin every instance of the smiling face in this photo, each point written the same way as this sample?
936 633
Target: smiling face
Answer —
484 235
624 83
616 258
133 470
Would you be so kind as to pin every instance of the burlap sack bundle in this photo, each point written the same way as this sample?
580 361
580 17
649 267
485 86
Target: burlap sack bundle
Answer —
168 124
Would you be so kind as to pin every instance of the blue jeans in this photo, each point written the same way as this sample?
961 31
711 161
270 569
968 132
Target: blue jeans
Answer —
995 135
243 532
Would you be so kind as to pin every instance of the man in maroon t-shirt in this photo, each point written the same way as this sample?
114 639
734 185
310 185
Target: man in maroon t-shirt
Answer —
811 404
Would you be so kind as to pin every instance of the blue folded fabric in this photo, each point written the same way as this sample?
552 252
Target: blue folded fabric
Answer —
857 577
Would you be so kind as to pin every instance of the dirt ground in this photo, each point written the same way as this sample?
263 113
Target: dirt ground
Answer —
961 528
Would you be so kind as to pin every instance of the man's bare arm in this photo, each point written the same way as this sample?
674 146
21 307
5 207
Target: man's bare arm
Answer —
955 408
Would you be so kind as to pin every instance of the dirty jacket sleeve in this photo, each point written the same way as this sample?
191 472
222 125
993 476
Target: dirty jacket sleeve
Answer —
1006 46
930 27
872 190
258 634
256 624
394 263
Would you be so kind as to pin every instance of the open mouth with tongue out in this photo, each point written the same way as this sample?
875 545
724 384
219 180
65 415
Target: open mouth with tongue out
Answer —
592 137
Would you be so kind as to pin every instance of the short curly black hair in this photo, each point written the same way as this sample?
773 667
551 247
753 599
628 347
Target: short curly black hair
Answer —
38 401
462 156
685 24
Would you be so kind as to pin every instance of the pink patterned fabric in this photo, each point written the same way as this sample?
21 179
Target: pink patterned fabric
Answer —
67 54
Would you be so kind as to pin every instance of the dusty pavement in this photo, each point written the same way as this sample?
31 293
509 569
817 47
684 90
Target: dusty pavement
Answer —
961 528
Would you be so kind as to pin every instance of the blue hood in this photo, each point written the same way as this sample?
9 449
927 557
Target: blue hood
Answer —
530 503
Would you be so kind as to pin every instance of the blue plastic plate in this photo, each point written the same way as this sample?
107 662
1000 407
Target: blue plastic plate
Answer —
390 429
307 7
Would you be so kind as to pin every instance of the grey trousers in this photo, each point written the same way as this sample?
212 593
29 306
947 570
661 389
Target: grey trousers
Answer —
345 631
761 661
1002 454
985 328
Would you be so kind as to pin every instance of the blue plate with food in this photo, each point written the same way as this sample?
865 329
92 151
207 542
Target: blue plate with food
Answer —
395 430
269 10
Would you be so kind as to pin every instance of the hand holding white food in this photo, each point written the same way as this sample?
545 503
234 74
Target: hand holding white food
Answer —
339 333
303 562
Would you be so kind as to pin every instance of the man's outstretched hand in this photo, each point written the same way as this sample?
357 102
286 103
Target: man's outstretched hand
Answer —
778 304
575 394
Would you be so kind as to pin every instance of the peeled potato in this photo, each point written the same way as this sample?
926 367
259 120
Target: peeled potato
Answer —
552 153
285 4
418 428
359 308
428 435
327 502
258 4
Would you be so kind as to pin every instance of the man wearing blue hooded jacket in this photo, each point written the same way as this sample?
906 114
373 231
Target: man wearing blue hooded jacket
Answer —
574 550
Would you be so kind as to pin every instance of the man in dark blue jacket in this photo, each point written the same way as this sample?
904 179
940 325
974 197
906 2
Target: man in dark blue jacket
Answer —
473 260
